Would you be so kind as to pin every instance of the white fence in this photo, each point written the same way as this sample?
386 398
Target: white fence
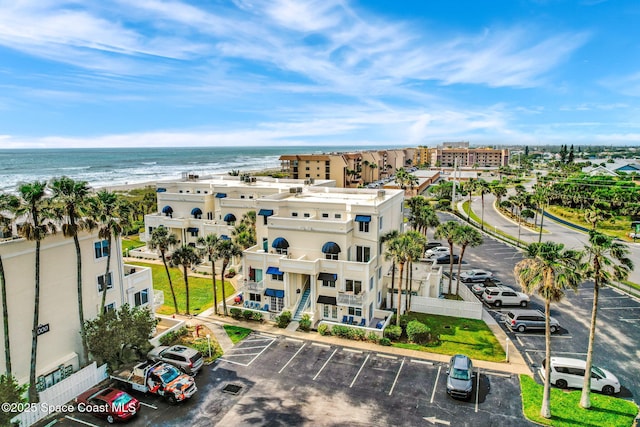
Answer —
63 392
445 307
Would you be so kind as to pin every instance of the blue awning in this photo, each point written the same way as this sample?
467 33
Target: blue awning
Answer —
167 210
329 277
274 270
363 218
224 237
221 195
192 229
280 243
196 211
229 217
274 293
330 248
266 212
161 190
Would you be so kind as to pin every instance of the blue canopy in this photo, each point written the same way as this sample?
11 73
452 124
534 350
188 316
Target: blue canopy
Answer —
192 229
330 248
278 293
266 212
161 190
224 237
274 270
280 243
363 218
229 217
167 210
221 195
196 211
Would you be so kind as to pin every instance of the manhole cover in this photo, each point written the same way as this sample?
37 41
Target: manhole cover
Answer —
232 389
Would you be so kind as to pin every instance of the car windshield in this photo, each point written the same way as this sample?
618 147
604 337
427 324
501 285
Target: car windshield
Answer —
170 374
598 371
460 374
121 400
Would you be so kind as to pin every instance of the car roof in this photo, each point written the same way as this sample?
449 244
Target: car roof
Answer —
526 311
107 393
460 361
568 361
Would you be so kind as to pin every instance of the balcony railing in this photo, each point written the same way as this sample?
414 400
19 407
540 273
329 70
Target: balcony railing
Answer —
253 286
348 298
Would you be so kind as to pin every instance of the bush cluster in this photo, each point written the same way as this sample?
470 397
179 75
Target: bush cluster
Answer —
305 323
393 332
238 314
418 332
323 329
347 332
283 319
173 336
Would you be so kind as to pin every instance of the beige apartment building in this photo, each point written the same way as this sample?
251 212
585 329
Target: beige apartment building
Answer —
319 252
59 342
448 154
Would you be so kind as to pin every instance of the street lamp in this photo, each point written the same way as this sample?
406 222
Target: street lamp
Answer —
507 348
209 344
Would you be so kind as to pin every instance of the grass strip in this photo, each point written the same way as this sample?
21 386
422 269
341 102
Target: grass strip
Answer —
236 333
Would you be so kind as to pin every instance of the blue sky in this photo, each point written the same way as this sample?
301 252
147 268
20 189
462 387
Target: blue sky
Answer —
293 72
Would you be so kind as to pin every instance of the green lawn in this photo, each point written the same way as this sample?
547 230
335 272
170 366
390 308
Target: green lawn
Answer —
236 333
459 336
131 242
566 411
199 289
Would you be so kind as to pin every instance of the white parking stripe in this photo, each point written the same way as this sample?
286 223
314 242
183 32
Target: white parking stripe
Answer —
262 334
386 356
518 338
477 388
317 344
325 364
292 339
424 362
80 421
148 405
242 354
359 370
555 352
263 350
497 374
601 297
292 357
396 380
235 349
433 394
529 357
352 350
621 308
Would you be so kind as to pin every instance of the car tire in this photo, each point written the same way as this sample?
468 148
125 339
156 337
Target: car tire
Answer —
608 390
522 328
110 419
561 384
523 304
553 329
171 398
498 303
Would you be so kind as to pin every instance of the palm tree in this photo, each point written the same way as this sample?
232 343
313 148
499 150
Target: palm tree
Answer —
390 240
245 232
185 256
366 166
226 250
373 167
34 208
112 216
541 196
8 204
415 249
484 188
163 242
466 235
499 191
72 197
470 187
427 217
448 231
548 270
208 245
400 246
416 203
606 261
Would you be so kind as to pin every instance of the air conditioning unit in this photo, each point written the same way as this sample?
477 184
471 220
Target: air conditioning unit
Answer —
307 181
381 193
298 189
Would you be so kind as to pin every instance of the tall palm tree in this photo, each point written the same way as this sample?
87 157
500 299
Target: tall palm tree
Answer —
72 197
185 256
548 270
466 235
226 250
427 217
34 208
606 261
8 204
366 167
416 203
484 188
499 191
163 242
400 247
373 167
448 230
470 187
209 244
415 249
389 239
541 197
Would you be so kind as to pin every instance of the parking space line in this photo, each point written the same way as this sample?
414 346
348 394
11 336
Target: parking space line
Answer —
317 344
80 421
529 357
396 380
241 354
325 364
555 352
292 357
518 338
263 350
247 348
262 334
552 336
352 350
602 298
424 362
293 339
621 308
626 319
359 370
497 374
386 356
433 394
477 389
148 405
258 339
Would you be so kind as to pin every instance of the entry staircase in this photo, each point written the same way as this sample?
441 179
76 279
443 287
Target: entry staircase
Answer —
303 304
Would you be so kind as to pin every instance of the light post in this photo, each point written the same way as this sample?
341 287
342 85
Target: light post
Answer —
209 344
508 340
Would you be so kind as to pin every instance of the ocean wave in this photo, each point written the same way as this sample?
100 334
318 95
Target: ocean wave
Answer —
149 163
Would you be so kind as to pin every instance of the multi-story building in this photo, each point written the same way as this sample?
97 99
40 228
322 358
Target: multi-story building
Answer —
449 154
319 252
59 341
194 207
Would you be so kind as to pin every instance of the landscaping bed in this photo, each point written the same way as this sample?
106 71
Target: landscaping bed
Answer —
187 335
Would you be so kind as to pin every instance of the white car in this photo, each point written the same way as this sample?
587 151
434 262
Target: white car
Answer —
475 275
569 373
503 295
437 251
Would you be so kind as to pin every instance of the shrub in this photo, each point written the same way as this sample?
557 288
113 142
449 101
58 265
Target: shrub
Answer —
418 332
358 334
236 313
305 323
247 314
323 329
173 336
404 321
372 337
257 316
393 332
283 319
341 331
384 341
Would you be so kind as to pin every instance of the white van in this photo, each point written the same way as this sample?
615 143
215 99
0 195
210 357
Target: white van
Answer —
569 373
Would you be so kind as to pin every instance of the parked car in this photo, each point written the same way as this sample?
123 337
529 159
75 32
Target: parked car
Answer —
446 259
187 359
475 275
478 288
460 377
438 250
566 372
109 403
524 320
503 295
432 245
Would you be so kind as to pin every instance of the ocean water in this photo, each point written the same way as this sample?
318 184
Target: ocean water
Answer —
102 167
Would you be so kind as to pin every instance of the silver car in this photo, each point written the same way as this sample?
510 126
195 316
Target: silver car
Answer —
187 359
524 320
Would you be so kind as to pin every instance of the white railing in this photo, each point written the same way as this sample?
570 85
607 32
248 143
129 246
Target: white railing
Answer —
350 299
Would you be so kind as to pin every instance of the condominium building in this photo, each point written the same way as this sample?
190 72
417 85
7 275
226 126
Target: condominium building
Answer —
59 341
319 252
450 154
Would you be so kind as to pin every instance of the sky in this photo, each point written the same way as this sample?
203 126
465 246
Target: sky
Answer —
155 73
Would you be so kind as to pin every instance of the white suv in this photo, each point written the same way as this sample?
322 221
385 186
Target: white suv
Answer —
437 251
503 295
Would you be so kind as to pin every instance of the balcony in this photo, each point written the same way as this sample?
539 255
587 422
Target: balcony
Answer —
253 286
349 299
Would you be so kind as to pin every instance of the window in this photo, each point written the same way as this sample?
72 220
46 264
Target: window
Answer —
101 282
306 215
141 297
277 304
101 249
278 277
325 215
363 226
294 213
355 311
282 251
255 297
110 307
329 283
337 216
150 230
194 232
330 311
379 297
371 283
363 253
209 215
354 286
380 223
